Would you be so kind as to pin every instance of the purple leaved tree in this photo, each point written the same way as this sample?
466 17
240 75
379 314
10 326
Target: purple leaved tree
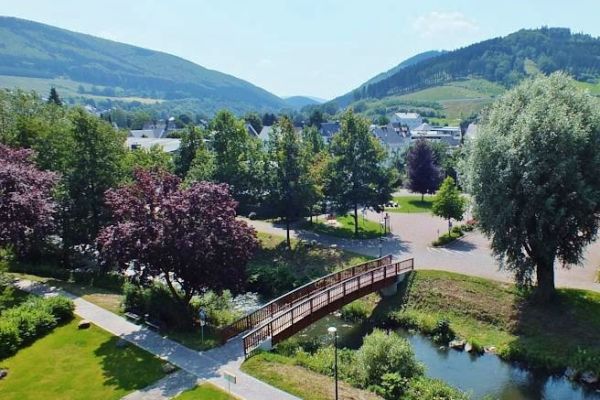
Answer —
26 204
187 236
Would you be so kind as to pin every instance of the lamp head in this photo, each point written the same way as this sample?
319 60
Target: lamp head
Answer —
332 330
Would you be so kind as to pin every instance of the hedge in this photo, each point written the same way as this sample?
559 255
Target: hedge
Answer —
22 325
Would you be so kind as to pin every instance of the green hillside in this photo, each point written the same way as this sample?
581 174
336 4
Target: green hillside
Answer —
89 66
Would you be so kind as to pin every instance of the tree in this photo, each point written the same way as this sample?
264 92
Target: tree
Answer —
192 139
422 170
268 119
26 205
95 165
254 120
448 203
316 118
152 159
237 158
53 98
290 189
533 174
189 237
313 140
356 174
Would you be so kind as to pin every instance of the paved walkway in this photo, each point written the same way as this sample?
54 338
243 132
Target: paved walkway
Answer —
166 388
471 255
208 365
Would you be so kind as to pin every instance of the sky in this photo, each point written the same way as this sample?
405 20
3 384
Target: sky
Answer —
321 48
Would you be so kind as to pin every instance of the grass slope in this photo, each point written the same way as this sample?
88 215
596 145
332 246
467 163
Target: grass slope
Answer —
411 204
73 364
557 335
367 229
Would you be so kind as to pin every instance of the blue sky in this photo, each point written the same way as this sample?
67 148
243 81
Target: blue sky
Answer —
320 48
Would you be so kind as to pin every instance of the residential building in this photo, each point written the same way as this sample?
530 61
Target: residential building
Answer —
410 120
392 137
168 145
450 135
328 129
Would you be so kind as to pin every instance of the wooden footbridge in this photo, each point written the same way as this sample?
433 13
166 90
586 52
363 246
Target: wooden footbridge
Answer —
292 312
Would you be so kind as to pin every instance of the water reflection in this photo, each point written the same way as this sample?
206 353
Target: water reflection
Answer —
484 377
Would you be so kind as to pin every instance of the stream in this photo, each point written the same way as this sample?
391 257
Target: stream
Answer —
482 376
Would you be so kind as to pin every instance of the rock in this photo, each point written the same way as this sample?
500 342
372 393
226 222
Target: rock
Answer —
457 344
571 373
121 343
468 347
333 246
168 368
3 373
491 349
442 348
589 377
84 324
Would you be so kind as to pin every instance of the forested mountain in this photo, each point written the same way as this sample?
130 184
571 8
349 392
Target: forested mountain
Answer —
503 60
103 67
349 97
297 102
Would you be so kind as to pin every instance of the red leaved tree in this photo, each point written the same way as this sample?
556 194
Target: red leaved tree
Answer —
188 237
26 204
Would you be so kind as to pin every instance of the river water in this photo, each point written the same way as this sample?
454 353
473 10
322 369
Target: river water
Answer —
482 376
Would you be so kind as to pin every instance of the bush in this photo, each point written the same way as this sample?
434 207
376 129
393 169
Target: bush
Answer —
355 311
432 389
158 303
443 333
381 354
393 386
23 324
219 308
291 346
447 238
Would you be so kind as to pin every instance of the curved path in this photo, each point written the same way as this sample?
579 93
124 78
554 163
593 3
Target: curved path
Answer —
471 255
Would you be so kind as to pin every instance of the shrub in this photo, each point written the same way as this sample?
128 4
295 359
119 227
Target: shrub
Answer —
447 238
219 308
477 346
443 333
61 307
10 341
381 354
355 311
393 386
294 344
322 362
432 389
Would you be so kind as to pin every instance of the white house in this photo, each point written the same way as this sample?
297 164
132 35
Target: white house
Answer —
411 120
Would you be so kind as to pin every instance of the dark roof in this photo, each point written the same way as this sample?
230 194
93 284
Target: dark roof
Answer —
328 129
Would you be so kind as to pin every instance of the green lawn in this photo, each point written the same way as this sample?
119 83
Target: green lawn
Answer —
489 313
367 229
411 204
70 364
206 391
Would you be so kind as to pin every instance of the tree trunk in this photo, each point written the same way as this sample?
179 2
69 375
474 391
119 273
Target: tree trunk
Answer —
287 229
422 197
355 219
545 281
449 227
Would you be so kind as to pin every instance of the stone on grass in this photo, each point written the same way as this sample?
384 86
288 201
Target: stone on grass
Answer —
3 373
468 347
589 377
168 368
84 324
491 349
457 344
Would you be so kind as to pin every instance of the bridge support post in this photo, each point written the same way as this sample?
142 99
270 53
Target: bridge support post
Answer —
392 289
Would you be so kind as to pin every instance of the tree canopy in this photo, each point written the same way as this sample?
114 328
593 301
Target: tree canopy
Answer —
533 173
422 169
448 202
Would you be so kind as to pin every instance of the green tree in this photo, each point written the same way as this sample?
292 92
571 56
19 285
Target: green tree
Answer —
448 202
238 158
533 174
53 97
192 138
356 174
94 166
313 140
316 118
290 189
203 166
255 120
152 159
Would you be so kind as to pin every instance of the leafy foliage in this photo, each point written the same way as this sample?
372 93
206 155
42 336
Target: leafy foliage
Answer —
26 205
533 177
187 236
448 202
422 169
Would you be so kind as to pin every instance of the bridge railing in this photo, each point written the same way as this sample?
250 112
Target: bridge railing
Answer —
319 300
287 300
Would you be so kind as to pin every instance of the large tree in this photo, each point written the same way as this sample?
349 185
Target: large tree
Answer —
192 139
357 175
422 169
290 189
189 237
533 173
26 205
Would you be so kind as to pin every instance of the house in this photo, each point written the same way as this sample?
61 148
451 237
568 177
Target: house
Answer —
471 131
410 120
154 130
250 129
328 129
451 135
265 133
168 145
392 137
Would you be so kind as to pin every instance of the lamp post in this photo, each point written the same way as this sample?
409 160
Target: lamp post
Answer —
333 332
380 247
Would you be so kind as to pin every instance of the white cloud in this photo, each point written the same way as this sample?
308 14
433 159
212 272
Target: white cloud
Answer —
438 24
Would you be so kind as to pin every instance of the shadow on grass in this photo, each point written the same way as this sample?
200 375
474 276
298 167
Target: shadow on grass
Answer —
128 368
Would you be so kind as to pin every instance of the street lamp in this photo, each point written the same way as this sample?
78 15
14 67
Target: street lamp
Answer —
333 332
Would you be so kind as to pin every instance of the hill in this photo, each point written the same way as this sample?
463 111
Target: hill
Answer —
297 102
34 55
349 97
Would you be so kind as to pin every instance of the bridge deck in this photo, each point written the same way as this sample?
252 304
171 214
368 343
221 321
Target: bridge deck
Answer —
297 316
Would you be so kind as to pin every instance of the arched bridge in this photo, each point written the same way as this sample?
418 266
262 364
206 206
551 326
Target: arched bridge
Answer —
292 312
